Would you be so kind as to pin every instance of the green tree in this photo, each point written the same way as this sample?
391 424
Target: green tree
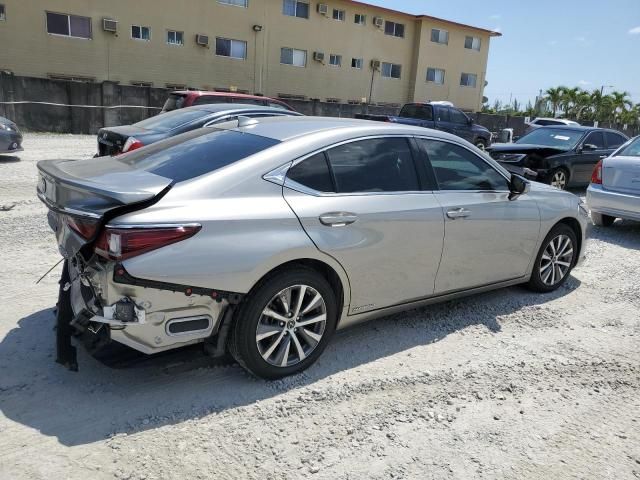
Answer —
554 97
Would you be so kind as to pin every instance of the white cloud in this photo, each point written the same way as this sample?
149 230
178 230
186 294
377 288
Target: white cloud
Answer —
495 16
584 83
634 31
553 43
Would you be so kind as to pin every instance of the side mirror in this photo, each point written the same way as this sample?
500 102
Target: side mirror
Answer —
589 147
469 121
518 186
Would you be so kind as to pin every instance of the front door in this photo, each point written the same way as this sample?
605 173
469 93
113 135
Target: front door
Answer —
592 149
488 238
361 202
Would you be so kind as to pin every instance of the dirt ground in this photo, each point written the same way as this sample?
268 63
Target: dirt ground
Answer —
507 384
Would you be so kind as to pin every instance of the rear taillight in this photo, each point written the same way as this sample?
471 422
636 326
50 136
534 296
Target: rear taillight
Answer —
131 144
596 176
122 243
84 227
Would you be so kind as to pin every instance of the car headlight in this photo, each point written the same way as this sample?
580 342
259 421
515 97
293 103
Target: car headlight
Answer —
583 209
511 157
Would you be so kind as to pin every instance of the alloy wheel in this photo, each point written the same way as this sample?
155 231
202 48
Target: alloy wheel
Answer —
559 179
556 260
291 325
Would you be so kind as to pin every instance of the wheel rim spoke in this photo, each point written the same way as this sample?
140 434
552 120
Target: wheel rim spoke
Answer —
312 304
273 346
301 292
299 349
555 261
319 318
266 331
270 313
310 337
282 356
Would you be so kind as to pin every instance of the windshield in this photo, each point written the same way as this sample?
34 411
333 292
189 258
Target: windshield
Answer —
632 149
174 102
562 138
168 121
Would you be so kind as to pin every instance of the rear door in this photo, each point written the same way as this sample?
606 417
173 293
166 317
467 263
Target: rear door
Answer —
488 238
362 203
584 163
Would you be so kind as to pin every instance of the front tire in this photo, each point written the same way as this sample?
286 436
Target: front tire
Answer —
555 260
284 324
601 220
559 178
481 143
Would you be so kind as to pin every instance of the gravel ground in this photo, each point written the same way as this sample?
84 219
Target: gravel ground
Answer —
507 384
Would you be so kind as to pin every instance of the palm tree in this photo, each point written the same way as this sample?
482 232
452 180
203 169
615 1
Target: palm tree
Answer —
554 96
582 105
569 99
619 103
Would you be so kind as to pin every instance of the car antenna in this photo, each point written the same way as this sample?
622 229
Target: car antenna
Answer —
246 121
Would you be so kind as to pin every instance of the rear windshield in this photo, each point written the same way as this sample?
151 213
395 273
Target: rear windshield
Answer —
630 150
561 138
174 102
165 122
195 153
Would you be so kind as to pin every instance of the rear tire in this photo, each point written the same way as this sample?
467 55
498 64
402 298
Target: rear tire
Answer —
601 220
481 143
559 178
277 331
555 260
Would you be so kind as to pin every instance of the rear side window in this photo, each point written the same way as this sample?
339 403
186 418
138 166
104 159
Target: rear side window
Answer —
248 101
278 105
170 120
614 140
196 153
442 114
174 102
458 117
209 99
313 173
456 168
374 165
596 139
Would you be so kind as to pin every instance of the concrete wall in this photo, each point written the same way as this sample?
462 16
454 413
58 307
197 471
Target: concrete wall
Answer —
28 50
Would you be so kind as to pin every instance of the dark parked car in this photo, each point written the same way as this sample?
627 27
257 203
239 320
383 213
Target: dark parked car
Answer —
10 136
439 116
192 98
117 140
560 156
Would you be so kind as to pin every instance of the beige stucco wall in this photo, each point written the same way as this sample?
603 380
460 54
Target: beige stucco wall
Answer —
28 50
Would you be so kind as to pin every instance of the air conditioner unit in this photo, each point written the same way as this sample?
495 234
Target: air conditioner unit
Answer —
318 56
323 9
109 25
202 40
375 64
378 22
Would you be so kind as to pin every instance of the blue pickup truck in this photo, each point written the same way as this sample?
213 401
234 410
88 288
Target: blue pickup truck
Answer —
439 116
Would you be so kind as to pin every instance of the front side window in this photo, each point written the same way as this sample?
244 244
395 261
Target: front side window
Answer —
360 19
335 60
394 29
439 36
356 63
595 139
175 38
141 33
457 168
68 25
226 47
237 3
614 140
391 70
295 8
468 80
338 14
373 165
458 117
313 173
472 43
292 56
435 75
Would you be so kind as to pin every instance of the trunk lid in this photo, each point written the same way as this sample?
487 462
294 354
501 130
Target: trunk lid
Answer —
621 174
86 191
112 139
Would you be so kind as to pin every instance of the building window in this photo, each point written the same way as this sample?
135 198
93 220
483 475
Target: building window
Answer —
338 14
335 60
176 86
440 36
231 48
360 19
295 8
142 84
175 38
291 56
435 75
68 25
468 80
237 3
141 33
356 63
391 70
3 14
394 29
472 43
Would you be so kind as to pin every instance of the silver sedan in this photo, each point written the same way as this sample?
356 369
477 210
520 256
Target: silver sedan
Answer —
262 237
614 191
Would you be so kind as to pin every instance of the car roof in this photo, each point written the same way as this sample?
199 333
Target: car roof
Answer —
290 127
229 107
223 94
579 128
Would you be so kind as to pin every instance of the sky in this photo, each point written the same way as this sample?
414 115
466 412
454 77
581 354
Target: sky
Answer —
547 43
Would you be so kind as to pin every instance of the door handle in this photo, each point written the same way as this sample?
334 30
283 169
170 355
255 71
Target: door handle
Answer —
603 156
338 219
458 213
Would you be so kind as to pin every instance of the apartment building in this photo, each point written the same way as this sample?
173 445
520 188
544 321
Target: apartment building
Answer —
334 50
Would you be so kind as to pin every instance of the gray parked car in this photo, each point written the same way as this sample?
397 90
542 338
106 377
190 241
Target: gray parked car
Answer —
267 236
614 191
10 137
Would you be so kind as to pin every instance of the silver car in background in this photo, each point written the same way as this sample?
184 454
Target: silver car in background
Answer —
614 191
264 236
